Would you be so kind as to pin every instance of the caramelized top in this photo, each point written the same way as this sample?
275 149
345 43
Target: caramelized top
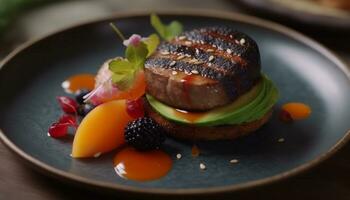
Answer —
218 53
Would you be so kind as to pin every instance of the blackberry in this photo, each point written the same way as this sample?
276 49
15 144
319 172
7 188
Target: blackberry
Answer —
144 134
80 94
84 109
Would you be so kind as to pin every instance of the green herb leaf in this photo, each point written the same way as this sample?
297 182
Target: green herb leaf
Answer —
167 32
123 81
152 43
120 66
123 73
175 28
137 55
158 25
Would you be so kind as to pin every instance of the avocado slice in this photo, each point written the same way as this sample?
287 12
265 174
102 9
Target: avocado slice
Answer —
249 107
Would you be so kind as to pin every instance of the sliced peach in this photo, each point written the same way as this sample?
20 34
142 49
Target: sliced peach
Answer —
102 130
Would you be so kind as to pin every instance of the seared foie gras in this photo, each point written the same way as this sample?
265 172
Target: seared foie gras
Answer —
203 68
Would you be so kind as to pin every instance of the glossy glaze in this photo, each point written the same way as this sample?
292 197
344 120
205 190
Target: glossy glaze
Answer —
79 81
142 165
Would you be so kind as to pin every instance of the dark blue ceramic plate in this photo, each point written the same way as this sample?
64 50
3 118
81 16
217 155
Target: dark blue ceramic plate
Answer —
304 71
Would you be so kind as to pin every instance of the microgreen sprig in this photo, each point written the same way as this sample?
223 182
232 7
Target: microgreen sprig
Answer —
167 32
138 49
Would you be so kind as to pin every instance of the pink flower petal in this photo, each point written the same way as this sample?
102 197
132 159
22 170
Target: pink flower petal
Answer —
134 40
104 88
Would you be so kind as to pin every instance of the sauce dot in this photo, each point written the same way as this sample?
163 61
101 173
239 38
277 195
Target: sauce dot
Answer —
142 165
297 111
78 82
195 151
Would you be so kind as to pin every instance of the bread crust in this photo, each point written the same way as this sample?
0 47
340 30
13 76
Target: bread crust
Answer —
188 132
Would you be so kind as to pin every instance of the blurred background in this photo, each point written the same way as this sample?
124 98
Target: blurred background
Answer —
327 21
21 20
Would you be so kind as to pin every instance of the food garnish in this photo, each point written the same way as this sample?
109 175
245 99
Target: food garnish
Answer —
78 82
167 32
202 166
294 111
234 161
123 72
67 104
135 108
132 164
117 112
79 95
144 134
101 130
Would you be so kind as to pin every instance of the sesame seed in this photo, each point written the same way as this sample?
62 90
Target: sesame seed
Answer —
236 41
209 64
180 57
194 72
187 73
214 45
242 41
172 63
96 155
202 166
48 134
210 50
174 72
281 140
229 51
211 58
202 42
188 43
165 52
231 36
197 51
182 37
178 156
234 161
188 55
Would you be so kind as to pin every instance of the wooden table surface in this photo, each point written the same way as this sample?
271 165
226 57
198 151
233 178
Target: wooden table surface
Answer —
329 180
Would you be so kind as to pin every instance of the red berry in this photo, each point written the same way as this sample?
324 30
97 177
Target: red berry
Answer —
68 119
67 104
135 108
58 130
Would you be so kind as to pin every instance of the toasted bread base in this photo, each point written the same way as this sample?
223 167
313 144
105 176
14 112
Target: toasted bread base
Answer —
188 132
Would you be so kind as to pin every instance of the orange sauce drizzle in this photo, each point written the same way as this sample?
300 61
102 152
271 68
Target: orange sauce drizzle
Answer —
297 111
195 151
142 166
79 81
188 116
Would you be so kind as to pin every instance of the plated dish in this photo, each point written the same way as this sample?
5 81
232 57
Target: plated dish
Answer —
192 166
202 84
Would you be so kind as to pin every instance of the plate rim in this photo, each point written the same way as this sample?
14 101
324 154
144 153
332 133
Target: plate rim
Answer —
298 16
224 15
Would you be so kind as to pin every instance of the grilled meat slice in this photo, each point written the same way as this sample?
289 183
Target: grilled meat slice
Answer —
203 68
